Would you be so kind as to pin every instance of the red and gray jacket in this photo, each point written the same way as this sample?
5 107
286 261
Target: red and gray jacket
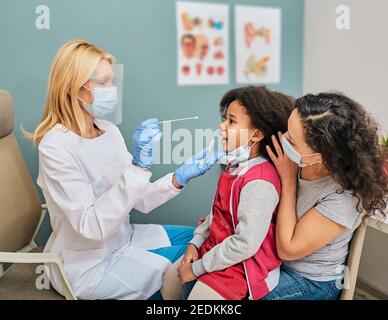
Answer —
259 274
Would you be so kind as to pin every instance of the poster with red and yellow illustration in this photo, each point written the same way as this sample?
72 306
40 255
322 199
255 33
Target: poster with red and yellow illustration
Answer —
258 45
202 43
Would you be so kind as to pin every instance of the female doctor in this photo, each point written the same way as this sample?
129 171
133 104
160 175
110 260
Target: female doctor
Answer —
91 182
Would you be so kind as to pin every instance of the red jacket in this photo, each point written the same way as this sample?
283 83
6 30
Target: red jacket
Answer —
250 276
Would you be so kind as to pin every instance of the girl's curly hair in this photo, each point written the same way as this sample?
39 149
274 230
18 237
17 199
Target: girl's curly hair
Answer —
347 137
268 110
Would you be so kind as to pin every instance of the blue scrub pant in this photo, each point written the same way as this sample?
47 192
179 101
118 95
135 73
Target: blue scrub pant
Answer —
180 237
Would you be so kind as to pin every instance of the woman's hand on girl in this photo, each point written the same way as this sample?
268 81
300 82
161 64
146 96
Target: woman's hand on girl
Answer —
287 169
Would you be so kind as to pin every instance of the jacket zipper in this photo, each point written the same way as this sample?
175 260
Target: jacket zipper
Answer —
234 226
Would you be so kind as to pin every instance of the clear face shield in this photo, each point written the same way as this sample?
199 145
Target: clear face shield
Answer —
107 93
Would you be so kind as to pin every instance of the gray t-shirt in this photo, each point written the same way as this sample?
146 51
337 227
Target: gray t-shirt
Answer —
327 263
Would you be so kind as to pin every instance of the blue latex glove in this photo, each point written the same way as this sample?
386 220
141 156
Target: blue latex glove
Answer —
196 166
147 134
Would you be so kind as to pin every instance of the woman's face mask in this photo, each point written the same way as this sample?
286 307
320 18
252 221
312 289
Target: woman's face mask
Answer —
105 100
295 156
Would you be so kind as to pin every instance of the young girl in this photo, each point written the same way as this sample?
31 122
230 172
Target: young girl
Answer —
232 254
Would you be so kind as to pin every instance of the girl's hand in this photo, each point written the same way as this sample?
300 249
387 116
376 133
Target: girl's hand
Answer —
201 220
287 169
185 273
191 254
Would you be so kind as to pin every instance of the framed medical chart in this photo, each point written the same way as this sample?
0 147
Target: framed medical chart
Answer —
258 45
202 43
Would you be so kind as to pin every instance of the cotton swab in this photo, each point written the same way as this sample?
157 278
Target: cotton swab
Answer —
210 147
208 150
176 120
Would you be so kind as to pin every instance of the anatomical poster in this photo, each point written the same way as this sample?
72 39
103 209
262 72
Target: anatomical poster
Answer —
202 43
258 45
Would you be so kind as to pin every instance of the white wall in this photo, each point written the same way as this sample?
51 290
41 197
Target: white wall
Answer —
354 62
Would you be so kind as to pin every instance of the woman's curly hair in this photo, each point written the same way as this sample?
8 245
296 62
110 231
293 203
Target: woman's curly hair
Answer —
347 137
268 110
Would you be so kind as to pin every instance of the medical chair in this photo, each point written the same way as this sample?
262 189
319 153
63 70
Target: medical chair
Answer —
353 261
21 216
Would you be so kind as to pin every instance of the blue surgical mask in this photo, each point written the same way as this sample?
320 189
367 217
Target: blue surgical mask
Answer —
105 100
295 156
242 153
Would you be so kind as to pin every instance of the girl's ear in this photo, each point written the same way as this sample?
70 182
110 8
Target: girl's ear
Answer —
258 136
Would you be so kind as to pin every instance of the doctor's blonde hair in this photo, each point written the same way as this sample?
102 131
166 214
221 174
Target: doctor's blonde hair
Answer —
73 65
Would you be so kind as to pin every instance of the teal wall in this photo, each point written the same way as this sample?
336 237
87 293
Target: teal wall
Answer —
142 36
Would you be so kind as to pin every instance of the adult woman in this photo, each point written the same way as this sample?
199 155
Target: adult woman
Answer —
331 168
91 183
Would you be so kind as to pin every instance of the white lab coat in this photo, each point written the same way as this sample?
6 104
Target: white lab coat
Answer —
90 187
